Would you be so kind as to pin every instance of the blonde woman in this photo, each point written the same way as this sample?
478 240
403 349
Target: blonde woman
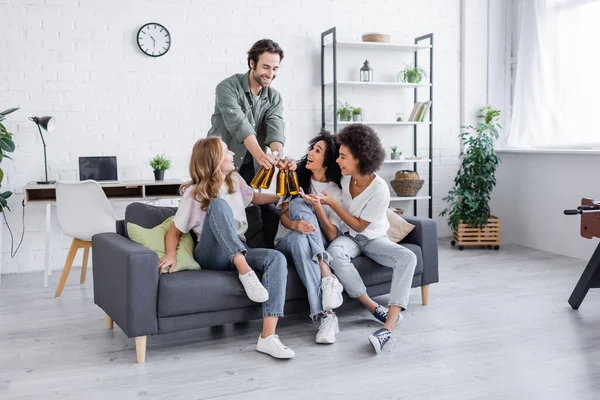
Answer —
213 206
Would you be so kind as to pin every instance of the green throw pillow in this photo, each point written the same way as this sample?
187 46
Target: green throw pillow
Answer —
154 239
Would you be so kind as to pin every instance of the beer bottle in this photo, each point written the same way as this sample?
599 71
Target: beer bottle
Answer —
281 183
266 182
261 176
292 182
258 178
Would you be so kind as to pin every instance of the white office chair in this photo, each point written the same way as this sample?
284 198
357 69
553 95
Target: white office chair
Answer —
83 210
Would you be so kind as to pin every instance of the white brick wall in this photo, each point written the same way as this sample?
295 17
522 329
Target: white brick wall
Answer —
78 61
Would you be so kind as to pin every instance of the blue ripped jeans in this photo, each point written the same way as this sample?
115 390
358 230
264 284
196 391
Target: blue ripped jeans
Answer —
305 250
219 243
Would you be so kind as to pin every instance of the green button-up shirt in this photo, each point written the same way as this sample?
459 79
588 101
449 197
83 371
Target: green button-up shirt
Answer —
234 119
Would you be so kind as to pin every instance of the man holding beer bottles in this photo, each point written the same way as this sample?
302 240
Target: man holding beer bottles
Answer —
248 117
248 113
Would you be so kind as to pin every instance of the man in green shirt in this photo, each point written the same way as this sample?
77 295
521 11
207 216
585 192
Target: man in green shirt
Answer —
248 113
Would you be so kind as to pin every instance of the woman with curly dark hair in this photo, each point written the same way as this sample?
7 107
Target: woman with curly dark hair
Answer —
365 199
307 227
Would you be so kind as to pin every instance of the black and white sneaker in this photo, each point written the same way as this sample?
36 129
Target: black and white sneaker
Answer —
381 313
380 338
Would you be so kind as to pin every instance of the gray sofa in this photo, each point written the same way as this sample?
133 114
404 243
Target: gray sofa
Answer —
128 288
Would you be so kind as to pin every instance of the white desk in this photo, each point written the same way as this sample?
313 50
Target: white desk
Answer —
121 191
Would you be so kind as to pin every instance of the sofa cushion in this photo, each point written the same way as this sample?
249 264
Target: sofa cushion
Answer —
147 216
373 273
398 228
190 292
154 239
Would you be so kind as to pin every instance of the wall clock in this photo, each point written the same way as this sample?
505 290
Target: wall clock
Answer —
154 39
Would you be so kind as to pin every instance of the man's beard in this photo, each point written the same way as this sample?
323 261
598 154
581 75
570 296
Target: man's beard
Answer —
258 79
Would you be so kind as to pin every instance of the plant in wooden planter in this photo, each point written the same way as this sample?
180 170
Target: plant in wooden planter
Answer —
468 209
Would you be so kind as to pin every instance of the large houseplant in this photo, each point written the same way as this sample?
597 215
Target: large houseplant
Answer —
469 198
6 146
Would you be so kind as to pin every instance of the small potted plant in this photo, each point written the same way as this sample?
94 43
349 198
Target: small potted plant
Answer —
412 75
395 155
344 111
160 164
357 114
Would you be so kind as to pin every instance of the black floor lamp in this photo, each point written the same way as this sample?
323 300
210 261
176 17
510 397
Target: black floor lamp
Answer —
48 124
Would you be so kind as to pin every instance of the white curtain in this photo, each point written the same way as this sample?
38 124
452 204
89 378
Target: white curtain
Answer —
557 82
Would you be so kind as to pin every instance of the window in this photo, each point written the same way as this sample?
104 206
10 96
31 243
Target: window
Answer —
556 64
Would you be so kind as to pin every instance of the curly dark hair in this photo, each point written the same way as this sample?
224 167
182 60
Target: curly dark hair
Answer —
364 144
263 46
332 171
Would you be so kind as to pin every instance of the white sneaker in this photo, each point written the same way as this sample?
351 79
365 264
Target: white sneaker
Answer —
332 293
329 328
272 346
254 289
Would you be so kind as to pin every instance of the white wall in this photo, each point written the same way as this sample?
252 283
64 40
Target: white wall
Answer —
532 191
78 61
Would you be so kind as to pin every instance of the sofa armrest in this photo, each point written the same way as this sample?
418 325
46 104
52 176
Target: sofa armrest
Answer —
126 283
425 236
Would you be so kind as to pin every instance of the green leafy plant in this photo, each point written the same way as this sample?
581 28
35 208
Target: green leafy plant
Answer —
412 75
160 163
469 198
356 111
344 111
394 148
6 146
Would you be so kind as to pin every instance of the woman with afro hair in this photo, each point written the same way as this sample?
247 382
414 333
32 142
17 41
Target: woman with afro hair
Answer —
363 230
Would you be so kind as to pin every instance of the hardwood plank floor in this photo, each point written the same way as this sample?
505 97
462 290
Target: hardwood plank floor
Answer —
498 326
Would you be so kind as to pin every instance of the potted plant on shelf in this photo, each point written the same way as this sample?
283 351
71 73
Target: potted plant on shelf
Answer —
395 155
412 75
344 111
357 114
160 164
468 212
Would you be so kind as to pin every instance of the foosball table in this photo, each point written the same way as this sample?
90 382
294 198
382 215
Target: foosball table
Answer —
590 228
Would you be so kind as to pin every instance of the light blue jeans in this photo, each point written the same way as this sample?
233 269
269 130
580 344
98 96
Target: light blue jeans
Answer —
381 250
305 250
219 243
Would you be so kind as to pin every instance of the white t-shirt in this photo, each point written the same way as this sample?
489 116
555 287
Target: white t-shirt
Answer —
190 215
332 189
370 205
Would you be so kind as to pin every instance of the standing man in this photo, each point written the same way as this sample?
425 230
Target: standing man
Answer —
248 117
248 113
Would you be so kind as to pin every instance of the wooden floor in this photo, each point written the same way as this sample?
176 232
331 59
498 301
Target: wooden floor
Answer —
498 326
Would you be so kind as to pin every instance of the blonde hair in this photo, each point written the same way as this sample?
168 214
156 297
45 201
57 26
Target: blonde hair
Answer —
205 171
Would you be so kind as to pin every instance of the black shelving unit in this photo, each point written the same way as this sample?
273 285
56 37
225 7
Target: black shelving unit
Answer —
418 41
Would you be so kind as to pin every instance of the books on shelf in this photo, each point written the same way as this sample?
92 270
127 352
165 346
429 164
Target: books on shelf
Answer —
420 111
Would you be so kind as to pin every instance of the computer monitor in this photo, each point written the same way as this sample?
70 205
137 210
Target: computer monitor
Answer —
98 168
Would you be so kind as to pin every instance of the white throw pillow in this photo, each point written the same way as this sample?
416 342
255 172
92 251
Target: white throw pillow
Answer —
399 228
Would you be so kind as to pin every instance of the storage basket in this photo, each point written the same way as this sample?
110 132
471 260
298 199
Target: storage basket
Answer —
376 37
407 183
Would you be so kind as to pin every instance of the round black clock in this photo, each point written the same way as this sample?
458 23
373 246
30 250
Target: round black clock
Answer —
154 39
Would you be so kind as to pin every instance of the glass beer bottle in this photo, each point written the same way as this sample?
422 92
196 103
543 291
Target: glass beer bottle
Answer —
292 183
263 176
281 183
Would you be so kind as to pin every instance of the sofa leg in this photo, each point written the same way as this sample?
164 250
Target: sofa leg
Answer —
140 349
425 294
109 322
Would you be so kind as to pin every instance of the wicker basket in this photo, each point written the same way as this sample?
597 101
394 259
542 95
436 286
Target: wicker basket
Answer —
376 37
407 183
406 174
